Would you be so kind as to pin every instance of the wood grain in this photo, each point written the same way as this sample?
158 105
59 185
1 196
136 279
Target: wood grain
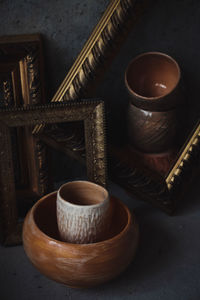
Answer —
78 265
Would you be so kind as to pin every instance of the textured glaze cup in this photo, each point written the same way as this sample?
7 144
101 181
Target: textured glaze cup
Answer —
156 106
83 212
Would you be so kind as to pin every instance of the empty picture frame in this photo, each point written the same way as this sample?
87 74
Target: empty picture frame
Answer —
91 112
22 83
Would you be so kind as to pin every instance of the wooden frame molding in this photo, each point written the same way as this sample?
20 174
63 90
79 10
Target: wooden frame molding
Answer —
22 83
91 112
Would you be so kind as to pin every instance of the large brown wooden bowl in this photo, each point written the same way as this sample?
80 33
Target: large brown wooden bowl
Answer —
78 265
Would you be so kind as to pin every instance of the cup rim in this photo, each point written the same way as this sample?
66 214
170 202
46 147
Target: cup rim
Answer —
156 98
31 215
79 206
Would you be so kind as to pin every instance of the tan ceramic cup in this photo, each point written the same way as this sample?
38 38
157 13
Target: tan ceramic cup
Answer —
83 212
156 111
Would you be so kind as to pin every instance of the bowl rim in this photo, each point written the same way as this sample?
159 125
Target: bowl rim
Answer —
153 98
130 218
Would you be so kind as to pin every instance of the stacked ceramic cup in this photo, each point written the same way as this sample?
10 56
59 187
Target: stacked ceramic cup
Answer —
156 106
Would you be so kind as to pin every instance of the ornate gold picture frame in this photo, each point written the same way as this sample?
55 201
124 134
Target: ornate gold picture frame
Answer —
22 83
161 191
90 112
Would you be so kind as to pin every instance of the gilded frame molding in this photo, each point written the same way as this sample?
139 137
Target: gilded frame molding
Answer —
91 112
22 83
117 20
161 191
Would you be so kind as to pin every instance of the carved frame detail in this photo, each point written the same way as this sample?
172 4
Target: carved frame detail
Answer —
22 83
91 112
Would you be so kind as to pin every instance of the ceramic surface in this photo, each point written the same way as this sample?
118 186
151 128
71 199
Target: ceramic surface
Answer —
153 132
156 105
78 265
83 212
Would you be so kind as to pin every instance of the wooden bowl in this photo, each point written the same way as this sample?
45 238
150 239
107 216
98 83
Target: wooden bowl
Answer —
78 265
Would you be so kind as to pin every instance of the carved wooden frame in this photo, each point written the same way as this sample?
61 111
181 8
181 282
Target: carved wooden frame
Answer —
91 112
22 82
119 17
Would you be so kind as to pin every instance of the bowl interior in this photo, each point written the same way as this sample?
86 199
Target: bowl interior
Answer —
46 220
152 75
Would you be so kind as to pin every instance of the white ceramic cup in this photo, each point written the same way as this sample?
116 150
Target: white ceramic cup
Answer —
83 212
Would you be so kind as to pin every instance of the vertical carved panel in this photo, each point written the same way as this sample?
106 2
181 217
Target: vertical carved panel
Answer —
43 178
8 92
22 84
95 146
33 74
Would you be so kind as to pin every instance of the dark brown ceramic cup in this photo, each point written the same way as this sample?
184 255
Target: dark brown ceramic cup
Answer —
156 102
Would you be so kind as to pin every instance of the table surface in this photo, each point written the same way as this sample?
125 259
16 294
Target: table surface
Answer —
167 264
